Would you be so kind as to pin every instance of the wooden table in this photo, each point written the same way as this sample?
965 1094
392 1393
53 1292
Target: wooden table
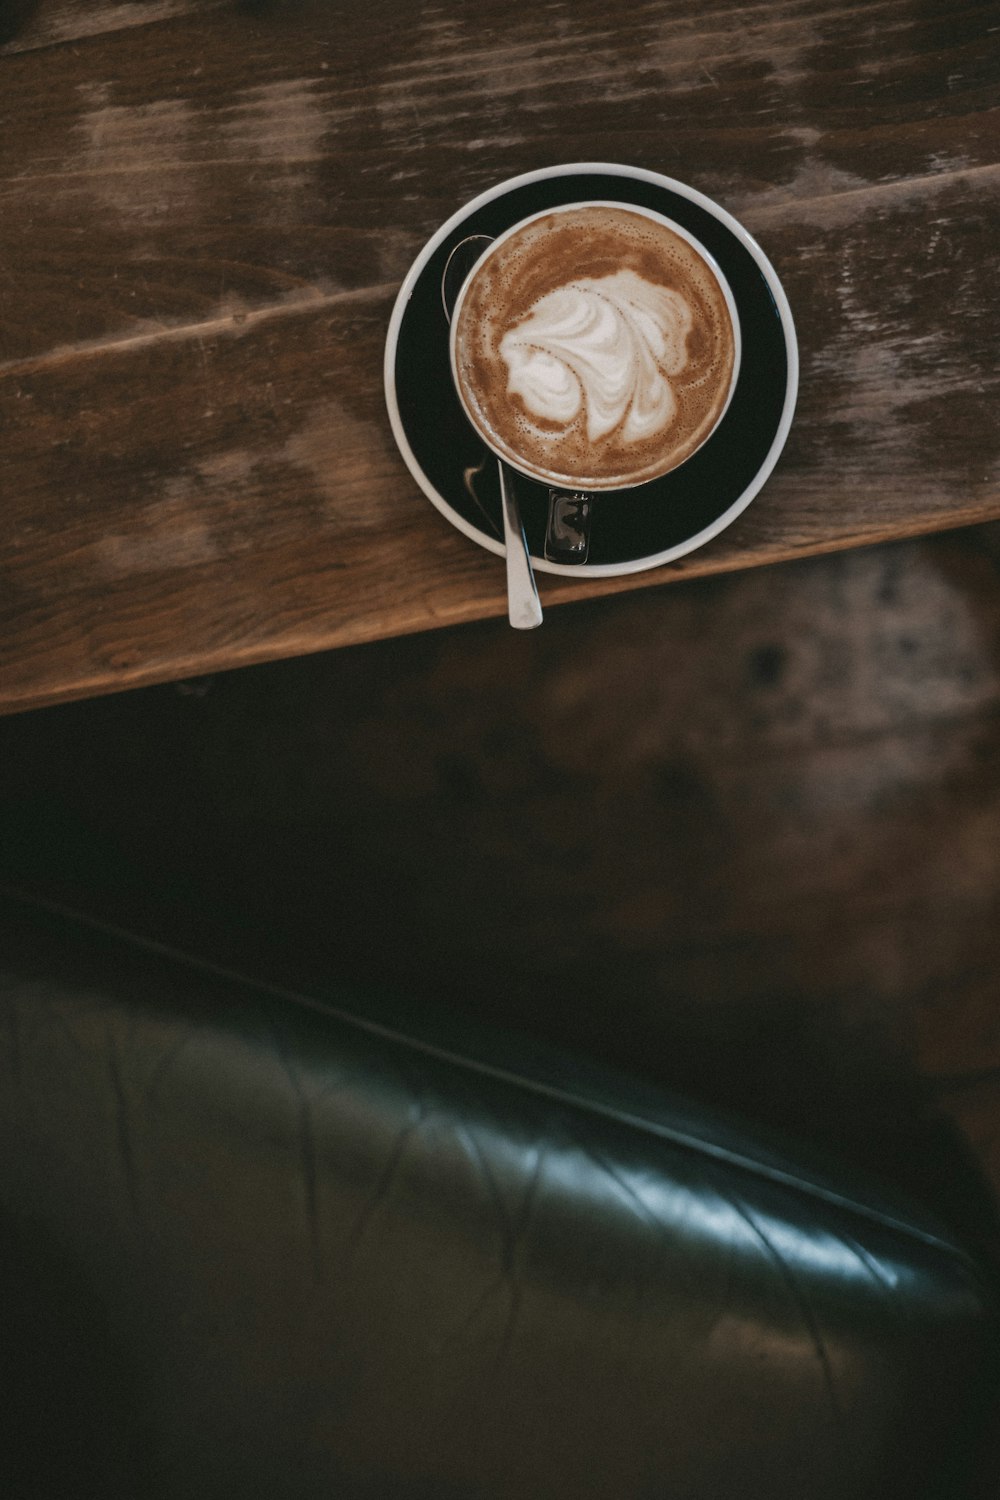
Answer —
207 207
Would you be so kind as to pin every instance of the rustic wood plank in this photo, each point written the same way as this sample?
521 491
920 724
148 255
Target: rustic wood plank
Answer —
135 152
203 219
26 25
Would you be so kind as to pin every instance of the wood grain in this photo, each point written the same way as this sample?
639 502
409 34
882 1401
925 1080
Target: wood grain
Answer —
206 210
31 24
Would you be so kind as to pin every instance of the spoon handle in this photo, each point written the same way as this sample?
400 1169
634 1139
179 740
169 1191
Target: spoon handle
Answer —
523 607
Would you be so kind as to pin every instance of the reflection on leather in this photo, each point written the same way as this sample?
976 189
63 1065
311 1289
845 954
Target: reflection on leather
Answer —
310 1256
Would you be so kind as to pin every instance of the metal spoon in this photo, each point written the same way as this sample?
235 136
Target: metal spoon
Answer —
524 610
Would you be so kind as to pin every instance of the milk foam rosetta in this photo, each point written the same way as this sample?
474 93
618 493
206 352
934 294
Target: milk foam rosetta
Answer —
594 347
606 347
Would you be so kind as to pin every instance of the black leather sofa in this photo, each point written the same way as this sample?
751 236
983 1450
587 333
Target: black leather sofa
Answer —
255 1243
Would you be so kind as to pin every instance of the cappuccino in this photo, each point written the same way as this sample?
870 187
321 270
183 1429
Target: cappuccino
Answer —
594 347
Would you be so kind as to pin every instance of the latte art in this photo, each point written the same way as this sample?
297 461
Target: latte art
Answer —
593 347
607 346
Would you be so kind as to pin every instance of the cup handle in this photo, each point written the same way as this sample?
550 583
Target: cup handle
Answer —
567 535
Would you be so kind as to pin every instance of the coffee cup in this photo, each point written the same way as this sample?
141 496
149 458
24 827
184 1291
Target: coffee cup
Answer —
638 525
595 347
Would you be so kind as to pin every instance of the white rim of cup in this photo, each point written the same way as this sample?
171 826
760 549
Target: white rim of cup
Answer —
634 174
588 485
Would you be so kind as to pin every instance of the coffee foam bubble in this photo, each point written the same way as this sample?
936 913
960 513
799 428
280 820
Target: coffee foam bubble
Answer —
595 346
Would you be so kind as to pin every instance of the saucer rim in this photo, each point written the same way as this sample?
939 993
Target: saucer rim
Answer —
670 184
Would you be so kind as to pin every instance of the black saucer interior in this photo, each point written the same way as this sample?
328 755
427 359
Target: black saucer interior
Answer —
628 525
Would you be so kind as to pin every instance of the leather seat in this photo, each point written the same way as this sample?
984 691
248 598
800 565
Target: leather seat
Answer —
260 1244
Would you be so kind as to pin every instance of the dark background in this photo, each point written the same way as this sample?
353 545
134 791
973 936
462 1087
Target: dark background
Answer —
741 836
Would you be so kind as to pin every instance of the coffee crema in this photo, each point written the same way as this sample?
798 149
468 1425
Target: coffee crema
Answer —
594 347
